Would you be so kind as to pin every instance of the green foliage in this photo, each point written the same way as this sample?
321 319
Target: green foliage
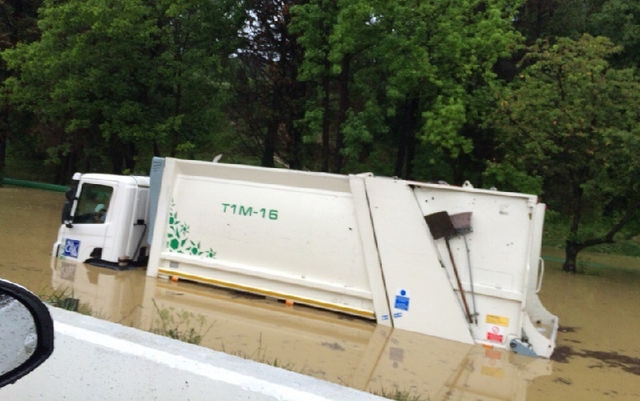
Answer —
546 19
65 299
400 395
572 120
507 177
463 50
412 70
360 129
619 20
177 325
131 73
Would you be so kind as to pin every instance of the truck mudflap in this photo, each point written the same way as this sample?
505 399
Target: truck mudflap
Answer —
359 245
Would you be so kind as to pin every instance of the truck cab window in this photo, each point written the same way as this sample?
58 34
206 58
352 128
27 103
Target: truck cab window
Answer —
93 204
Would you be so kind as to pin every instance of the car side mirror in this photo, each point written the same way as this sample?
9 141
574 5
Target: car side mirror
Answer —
26 332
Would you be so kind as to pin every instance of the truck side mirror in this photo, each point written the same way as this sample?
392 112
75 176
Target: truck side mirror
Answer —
70 196
26 332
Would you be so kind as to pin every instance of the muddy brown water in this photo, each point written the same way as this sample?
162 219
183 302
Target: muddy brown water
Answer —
597 355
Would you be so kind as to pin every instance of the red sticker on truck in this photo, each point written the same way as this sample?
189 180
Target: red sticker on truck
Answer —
495 334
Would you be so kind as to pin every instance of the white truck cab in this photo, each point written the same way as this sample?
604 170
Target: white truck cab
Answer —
105 220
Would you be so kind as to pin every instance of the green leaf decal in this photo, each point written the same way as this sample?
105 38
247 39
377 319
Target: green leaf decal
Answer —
177 240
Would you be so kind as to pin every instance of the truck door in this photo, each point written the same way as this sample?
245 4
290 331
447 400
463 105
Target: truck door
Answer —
86 237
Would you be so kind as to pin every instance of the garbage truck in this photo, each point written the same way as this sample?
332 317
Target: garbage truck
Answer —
459 263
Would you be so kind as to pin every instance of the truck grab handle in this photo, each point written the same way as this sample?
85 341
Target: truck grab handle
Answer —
540 275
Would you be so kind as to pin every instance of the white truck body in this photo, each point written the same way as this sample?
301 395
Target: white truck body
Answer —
356 244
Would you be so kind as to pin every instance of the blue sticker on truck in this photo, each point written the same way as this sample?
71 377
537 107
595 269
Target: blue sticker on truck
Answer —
402 300
71 248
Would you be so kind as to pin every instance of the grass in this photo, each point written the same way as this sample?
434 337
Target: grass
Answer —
65 299
169 323
177 325
260 355
400 395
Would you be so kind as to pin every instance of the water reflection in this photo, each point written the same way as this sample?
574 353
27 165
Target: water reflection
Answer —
598 311
329 346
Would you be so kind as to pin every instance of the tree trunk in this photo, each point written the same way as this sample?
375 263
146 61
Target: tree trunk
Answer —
572 247
407 141
342 112
400 155
571 253
295 162
411 154
156 148
130 157
269 145
326 123
175 132
295 157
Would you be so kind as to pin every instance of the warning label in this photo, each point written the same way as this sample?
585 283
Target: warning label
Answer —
495 334
499 320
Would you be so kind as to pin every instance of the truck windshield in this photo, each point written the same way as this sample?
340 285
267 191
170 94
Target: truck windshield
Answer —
92 204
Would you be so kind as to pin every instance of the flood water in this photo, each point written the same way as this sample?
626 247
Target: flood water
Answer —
597 358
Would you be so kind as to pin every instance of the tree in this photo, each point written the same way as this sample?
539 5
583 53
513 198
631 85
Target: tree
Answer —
125 74
619 20
18 24
313 23
268 96
547 19
572 121
401 73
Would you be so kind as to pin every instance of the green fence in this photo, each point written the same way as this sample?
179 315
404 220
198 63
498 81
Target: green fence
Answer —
31 184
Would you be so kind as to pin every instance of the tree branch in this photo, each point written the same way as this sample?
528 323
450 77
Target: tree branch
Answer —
608 237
